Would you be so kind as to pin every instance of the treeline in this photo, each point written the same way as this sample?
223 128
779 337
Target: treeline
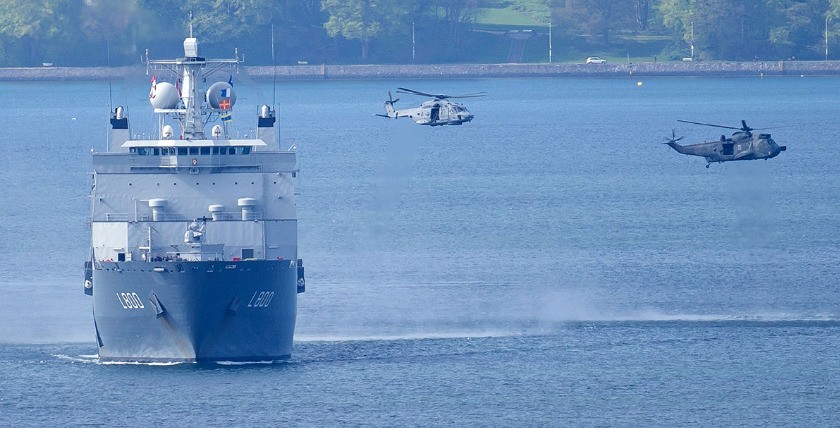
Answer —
117 32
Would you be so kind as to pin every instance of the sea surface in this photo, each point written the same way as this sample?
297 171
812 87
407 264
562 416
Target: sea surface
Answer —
549 264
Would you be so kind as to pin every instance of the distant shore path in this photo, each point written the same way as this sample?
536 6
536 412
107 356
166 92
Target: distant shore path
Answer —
449 71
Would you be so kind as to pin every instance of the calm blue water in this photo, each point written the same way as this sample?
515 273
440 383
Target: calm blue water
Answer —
549 264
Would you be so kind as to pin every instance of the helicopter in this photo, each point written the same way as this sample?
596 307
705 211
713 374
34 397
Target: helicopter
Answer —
742 145
436 112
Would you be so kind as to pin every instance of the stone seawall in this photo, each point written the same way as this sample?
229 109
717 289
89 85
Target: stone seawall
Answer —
448 71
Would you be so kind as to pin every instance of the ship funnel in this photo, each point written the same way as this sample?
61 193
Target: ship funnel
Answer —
265 127
216 211
247 205
157 205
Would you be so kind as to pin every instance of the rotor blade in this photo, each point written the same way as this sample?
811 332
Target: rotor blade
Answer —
709 124
472 95
413 92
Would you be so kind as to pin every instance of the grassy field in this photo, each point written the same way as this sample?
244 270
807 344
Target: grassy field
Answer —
500 20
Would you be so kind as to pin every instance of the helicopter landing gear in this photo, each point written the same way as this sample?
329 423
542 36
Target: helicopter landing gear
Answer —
707 165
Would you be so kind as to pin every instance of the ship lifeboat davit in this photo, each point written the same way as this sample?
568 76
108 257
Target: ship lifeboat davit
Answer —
164 95
221 96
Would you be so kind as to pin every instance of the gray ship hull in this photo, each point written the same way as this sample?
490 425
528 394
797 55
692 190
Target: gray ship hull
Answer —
195 310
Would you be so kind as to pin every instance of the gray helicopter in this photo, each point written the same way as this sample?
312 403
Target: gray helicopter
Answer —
436 112
742 145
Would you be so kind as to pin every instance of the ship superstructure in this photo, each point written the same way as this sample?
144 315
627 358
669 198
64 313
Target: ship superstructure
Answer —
194 233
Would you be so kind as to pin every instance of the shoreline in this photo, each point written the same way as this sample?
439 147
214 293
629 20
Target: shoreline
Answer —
449 71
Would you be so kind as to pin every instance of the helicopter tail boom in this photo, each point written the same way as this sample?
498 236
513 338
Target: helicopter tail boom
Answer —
673 144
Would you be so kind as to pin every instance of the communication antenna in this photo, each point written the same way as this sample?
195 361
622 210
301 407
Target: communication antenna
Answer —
273 71
108 63
191 32
110 90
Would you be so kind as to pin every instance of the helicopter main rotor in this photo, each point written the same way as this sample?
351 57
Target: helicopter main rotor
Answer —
743 127
439 96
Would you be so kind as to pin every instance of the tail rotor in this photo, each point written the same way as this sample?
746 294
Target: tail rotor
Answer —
389 107
673 139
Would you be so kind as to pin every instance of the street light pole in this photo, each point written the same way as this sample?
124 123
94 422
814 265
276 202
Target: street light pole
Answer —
549 42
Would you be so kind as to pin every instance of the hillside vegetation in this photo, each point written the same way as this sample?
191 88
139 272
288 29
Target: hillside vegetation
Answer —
118 32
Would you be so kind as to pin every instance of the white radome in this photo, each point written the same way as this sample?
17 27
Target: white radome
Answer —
214 94
164 96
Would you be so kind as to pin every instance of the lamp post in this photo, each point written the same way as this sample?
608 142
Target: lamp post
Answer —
549 42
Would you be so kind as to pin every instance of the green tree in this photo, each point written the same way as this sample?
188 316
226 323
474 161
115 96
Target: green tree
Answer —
33 24
456 14
796 27
361 20
721 29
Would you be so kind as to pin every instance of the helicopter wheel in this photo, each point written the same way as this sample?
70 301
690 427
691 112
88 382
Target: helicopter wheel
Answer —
707 166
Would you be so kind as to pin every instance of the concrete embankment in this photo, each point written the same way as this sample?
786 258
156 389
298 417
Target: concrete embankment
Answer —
448 71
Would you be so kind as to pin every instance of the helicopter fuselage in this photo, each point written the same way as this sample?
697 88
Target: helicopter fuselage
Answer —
433 113
741 146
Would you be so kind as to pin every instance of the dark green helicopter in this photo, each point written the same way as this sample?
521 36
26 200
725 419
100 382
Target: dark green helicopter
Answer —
742 145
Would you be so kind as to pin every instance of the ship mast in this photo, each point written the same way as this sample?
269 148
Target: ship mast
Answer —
191 71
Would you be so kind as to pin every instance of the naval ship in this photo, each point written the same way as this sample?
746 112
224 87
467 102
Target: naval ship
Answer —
193 234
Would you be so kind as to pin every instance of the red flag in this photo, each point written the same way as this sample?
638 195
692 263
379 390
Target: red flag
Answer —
224 104
154 86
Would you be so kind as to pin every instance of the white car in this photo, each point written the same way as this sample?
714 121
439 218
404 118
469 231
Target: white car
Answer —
595 60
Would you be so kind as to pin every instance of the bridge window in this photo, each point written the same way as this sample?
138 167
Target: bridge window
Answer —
182 151
205 150
193 150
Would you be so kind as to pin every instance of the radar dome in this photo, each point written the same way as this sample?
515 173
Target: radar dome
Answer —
164 95
219 91
168 132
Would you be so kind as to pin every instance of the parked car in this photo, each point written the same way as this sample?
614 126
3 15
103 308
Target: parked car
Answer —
595 60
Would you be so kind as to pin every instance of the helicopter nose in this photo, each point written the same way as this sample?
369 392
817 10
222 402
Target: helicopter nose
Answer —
783 148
